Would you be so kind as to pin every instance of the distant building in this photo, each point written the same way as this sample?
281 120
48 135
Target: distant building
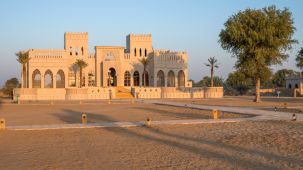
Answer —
295 82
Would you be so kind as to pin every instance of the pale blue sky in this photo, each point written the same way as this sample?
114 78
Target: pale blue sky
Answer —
189 25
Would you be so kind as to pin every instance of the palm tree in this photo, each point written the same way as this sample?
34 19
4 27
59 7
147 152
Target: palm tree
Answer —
144 61
212 63
23 58
81 64
299 59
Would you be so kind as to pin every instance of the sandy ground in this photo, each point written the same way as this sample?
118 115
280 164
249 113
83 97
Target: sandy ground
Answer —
38 114
243 145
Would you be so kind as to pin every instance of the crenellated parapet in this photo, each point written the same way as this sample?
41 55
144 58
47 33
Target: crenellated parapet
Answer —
46 54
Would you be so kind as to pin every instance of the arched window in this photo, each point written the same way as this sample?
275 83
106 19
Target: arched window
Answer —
60 79
82 51
145 79
48 79
145 52
70 50
77 51
171 79
126 78
296 86
181 78
136 78
160 79
135 52
36 77
140 52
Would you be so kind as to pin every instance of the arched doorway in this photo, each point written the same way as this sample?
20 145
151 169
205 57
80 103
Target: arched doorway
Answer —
136 78
296 86
127 78
60 79
145 79
160 79
171 79
181 78
48 79
36 79
112 77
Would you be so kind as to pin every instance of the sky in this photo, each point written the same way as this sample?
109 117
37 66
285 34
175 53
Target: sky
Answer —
178 25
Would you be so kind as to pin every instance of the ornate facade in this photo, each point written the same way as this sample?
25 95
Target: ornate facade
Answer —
108 66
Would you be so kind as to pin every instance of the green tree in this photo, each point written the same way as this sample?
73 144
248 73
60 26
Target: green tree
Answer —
81 64
144 61
10 85
299 59
206 82
212 63
278 79
239 82
258 38
23 58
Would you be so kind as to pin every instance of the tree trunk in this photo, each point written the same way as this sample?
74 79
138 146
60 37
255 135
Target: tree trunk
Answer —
144 77
212 77
257 98
23 76
80 77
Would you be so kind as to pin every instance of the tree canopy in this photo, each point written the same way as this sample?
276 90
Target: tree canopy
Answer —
258 38
299 59
278 79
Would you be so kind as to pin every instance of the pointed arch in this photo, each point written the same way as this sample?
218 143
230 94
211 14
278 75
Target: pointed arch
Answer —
48 79
127 78
160 79
136 77
140 52
171 79
36 79
135 51
60 79
181 78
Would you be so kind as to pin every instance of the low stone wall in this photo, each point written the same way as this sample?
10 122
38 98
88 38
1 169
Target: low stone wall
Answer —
213 92
63 94
177 93
146 92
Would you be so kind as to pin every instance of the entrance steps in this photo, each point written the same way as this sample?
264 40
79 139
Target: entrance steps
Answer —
123 93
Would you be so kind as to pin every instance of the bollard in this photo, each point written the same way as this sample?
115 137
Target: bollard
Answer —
215 114
294 117
84 118
133 101
2 124
148 122
285 105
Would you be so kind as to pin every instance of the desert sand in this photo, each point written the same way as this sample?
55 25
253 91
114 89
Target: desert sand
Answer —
244 145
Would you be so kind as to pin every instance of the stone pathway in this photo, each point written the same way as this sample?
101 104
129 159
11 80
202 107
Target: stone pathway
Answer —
259 114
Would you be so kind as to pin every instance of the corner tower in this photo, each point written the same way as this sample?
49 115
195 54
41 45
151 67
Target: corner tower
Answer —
139 45
76 44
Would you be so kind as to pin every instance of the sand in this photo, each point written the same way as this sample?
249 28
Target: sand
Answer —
243 145
42 114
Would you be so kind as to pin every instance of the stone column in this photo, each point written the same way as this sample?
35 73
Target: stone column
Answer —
54 80
165 81
131 80
176 81
42 80
30 79
66 74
